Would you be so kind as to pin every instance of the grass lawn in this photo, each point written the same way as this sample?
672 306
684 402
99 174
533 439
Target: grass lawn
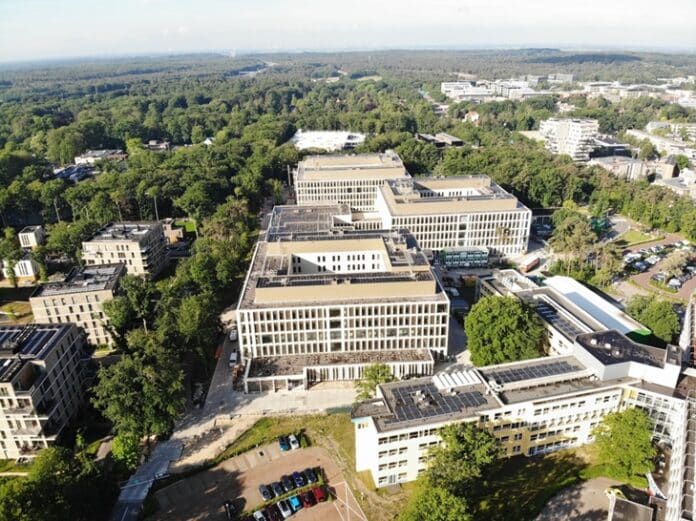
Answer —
188 225
633 237
10 465
16 312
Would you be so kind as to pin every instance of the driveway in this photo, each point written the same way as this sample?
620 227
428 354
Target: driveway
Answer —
200 497
584 502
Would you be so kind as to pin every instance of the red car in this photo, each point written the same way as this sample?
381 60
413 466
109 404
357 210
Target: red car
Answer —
319 494
308 499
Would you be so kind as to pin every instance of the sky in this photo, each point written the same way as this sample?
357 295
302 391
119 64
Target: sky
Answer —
39 29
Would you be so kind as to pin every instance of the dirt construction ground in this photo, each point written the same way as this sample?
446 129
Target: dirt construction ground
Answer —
201 496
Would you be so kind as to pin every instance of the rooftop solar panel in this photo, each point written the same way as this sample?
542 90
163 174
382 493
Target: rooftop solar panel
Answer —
529 372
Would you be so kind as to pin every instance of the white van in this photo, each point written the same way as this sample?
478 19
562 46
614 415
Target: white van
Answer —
233 358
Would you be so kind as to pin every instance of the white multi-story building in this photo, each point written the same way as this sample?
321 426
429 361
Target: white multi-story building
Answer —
467 91
676 129
318 305
346 179
537 406
456 212
573 137
141 246
80 299
41 385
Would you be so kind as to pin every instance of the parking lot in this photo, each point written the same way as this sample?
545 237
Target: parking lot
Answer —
201 496
645 265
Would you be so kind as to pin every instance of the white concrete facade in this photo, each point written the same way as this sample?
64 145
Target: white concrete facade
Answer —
572 137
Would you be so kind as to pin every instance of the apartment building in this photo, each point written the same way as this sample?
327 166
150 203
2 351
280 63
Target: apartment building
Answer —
79 299
573 137
41 385
322 304
346 179
141 246
456 212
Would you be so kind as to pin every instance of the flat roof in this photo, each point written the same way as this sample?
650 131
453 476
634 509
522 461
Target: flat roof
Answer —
387 165
289 221
30 229
293 365
21 344
416 402
600 309
124 231
625 510
612 347
84 279
405 271
430 196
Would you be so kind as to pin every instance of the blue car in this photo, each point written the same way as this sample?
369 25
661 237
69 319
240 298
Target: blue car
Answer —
284 443
295 503
299 479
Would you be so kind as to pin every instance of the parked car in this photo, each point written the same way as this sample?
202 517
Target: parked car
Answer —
233 359
259 516
294 442
278 489
319 494
674 284
265 492
273 513
233 335
295 503
231 511
287 483
284 508
308 499
284 443
299 479
310 475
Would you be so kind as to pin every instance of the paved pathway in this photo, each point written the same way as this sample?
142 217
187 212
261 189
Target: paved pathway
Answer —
583 502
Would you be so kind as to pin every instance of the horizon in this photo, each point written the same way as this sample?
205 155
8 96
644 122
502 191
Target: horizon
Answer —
175 27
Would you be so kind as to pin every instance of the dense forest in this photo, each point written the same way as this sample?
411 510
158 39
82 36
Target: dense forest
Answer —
251 106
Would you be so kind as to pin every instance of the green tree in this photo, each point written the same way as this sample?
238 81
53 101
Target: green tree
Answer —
435 504
463 459
142 393
658 315
647 151
625 444
503 329
126 450
373 376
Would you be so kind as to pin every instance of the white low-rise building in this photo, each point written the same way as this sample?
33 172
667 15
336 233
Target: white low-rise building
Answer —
31 237
25 268
624 167
665 145
91 157
329 140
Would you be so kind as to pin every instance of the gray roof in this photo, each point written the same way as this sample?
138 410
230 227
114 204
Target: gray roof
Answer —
85 279
20 344
611 347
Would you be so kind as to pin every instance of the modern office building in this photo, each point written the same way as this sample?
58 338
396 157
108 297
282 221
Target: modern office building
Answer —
546 404
346 179
322 304
573 137
141 246
41 385
624 167
456 212
665 145
79 299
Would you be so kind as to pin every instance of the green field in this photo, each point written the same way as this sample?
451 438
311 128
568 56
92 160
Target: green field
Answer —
633 237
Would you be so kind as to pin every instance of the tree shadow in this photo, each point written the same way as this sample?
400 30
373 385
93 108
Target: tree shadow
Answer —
520 488
200 496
